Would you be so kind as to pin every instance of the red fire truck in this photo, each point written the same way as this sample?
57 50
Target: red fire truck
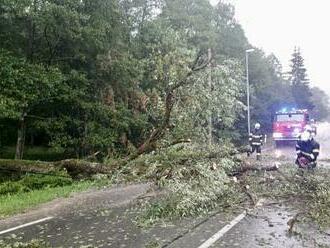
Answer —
288 125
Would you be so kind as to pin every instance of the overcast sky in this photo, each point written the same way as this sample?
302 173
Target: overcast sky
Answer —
277 26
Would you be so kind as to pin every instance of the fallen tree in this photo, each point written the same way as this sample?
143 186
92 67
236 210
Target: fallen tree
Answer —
247 167
81 168
150 144
78 169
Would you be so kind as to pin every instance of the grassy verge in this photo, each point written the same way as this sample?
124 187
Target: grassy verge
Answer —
16 203
32 244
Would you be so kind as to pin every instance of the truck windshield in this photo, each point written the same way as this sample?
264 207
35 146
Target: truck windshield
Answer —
290 117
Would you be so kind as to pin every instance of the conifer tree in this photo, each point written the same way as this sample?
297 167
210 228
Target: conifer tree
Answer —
299 81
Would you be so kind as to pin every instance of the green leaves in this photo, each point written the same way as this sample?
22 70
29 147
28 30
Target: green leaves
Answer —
216 92
25 85
94 74
195 179
299 81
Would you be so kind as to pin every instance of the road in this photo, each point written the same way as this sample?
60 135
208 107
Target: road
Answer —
107 219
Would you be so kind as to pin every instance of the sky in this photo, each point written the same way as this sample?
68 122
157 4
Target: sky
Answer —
277 26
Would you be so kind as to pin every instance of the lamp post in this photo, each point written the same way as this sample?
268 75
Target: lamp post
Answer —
248 86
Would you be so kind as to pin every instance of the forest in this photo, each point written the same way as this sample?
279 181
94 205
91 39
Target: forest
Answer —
122 77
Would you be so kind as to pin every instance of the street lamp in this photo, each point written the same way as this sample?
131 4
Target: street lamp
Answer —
248 86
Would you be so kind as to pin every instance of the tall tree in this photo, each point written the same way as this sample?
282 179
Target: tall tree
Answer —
321 102
269 90
299 81
24 87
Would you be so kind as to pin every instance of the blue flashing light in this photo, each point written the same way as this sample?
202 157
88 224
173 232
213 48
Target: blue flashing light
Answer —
287 110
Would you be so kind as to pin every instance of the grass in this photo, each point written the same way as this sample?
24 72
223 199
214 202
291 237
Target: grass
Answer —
17 203
31 244
26 184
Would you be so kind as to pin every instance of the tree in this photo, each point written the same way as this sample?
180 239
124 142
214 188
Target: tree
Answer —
120 75
197 102
299 81
193 18
321 101
24 87
269 90
70 37
230 39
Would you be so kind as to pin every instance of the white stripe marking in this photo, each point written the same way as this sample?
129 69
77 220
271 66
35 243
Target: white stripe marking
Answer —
223 231
226 228
25 225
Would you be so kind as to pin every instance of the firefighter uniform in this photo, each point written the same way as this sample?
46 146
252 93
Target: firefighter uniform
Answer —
256 141
314 130
309 149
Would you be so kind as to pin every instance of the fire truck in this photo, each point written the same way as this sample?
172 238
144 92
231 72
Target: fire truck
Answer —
288 125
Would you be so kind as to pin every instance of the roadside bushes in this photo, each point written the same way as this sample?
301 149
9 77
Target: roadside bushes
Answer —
33 182
32 244
37 153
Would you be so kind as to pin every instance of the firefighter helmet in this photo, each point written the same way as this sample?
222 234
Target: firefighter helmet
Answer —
305 136
257 126
308 128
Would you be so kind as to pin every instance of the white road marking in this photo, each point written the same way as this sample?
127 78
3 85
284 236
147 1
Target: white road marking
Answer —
25 225
223 231
226 228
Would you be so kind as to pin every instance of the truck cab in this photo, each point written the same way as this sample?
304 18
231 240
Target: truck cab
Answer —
288 125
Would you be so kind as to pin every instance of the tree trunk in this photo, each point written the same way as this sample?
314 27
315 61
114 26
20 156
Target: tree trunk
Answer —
20 138
31 35
32 140
151 143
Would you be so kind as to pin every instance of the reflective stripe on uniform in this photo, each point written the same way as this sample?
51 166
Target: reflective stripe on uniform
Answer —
256 144
257 136
316 150
298 151
306 153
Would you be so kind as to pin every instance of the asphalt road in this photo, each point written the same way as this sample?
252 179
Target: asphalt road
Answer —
108 219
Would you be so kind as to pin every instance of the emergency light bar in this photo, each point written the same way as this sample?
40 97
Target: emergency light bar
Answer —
292 111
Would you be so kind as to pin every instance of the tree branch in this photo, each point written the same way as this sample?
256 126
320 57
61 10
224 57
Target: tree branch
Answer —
245 168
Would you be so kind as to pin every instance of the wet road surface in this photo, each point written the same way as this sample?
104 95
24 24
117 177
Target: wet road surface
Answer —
109 225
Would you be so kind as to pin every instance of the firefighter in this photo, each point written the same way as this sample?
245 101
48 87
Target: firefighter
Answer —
307 149
256 141
313 126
